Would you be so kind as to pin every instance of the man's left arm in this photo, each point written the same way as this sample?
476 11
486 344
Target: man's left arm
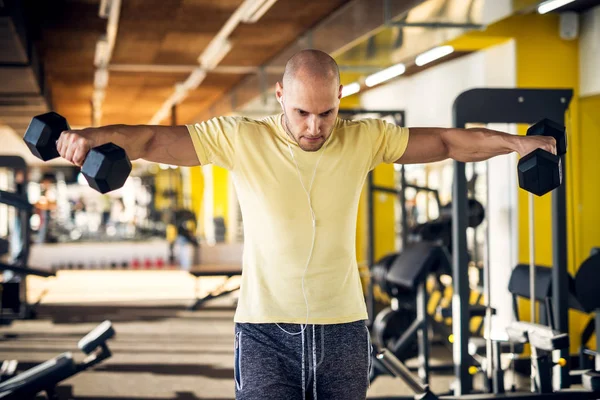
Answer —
468 145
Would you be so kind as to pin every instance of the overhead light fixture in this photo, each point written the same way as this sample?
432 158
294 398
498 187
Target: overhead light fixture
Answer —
214 53
255 9
195 79
178 95
384 75
104 10
98 96
433 54
350 89
160 115
101 78
550 5
102 52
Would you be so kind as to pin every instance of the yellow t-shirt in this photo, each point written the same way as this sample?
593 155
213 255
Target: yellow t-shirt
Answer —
278 227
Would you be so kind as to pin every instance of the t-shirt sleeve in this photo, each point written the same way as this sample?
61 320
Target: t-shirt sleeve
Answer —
389 141
214 141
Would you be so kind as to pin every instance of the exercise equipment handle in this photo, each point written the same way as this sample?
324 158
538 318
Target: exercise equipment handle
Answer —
399 370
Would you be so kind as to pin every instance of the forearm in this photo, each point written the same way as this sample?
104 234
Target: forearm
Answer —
478 144
134 139
156 143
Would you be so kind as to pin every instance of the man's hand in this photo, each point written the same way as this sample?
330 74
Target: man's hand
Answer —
74 146
527 144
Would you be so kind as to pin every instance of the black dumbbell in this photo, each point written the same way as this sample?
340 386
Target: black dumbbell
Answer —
541 171
106 167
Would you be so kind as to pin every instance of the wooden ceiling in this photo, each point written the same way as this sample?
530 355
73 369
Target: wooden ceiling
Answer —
155 32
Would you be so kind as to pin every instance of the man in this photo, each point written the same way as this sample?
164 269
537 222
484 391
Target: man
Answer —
299 324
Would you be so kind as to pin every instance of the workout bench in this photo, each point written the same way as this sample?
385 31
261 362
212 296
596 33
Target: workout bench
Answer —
228 271
46 376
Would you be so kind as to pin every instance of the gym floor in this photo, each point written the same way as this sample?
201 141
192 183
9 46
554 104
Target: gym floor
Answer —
159 351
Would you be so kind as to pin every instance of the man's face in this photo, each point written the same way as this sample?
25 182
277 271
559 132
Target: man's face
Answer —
310 109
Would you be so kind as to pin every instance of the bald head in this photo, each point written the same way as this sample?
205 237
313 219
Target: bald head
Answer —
311 83
311 66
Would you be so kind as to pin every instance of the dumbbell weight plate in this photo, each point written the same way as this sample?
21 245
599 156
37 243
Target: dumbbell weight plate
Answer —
43 132
538 173
106 167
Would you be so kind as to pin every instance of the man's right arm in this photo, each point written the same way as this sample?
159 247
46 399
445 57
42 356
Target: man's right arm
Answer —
162 144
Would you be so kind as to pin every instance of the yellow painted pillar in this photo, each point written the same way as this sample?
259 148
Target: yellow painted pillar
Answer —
589 230
221 193
215 198
197 192
384 213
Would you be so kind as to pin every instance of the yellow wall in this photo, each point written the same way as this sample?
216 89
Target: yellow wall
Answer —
221 193
169 179
197 192
588 234
383 205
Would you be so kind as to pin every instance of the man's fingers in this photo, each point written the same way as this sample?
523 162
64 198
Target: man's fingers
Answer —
79 156
81 149
553 145
70 147
60 143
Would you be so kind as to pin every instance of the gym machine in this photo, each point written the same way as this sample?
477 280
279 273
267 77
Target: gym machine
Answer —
13 298
46 376
513 106
497 105
407 275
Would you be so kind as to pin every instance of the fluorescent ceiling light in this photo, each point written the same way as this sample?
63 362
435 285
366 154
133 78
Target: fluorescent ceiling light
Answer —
195 79
550 5
98 96
384 75
160 115
104 10
214 53
350 89
102 52
433 54
255 9
178 95
101 78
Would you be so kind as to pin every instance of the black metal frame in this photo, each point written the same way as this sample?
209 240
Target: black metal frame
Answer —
17 163
216 293
499 105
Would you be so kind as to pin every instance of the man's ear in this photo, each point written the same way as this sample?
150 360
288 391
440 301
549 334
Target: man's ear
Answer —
340 92
279 92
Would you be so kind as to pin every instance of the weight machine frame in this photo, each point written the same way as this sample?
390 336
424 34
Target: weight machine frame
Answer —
505 105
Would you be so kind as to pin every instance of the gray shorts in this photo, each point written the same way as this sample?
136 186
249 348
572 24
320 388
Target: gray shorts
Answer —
324 362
